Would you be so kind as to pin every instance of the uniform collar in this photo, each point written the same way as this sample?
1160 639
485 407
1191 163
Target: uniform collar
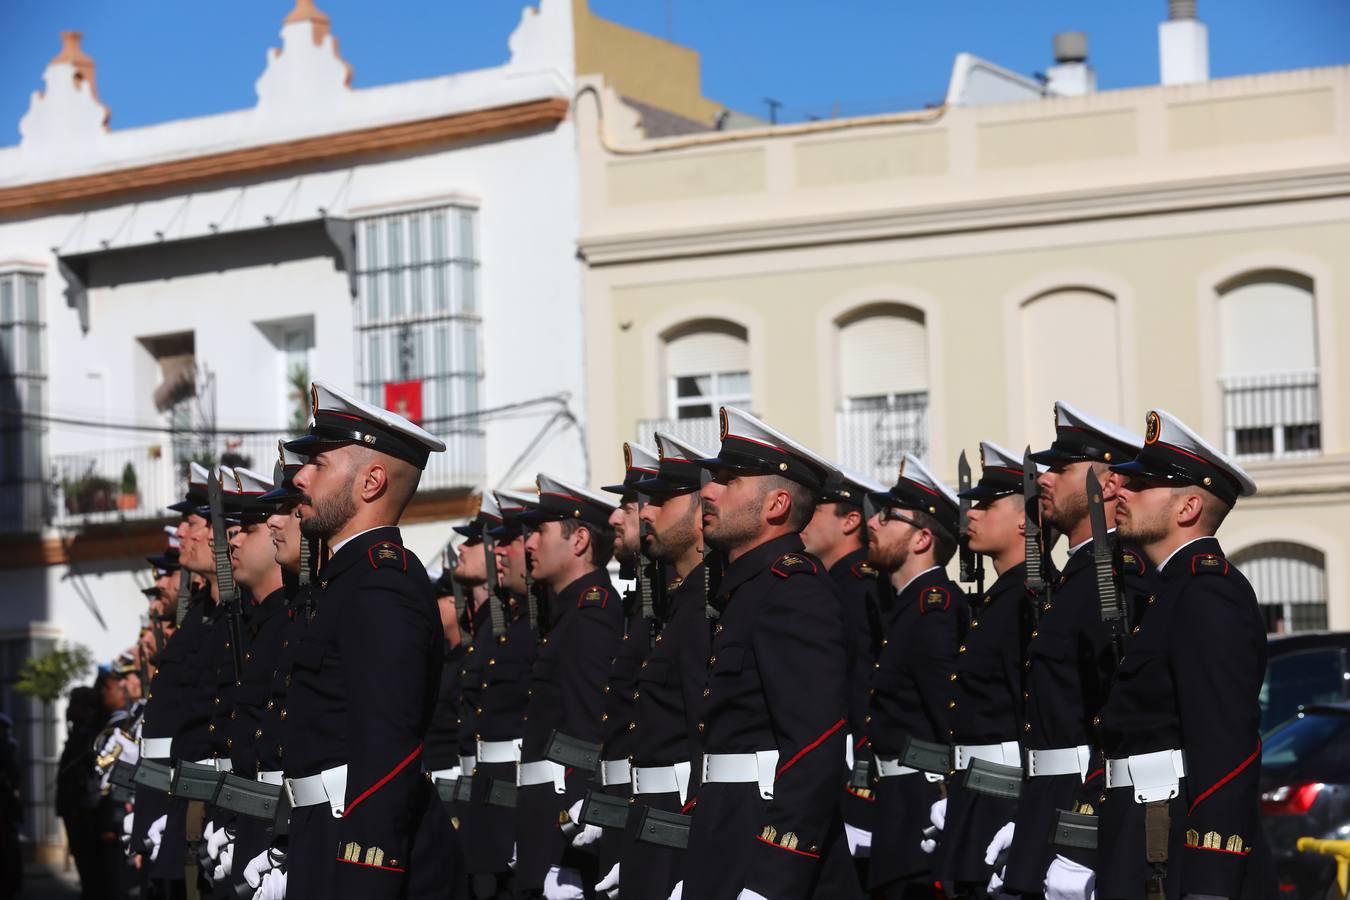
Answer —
569 596
1013 577
691 584
268 607
754 561
355 548
915 580
1178 562
915 586
848 561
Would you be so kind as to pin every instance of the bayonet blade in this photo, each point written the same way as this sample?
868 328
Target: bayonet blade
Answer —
224 571
963 484
1031 491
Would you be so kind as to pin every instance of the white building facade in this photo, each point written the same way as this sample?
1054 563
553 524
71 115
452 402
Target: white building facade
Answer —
166 291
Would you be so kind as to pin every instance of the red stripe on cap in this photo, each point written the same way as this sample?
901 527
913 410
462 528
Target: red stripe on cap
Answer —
1187 453
808 748
1227 778
383 781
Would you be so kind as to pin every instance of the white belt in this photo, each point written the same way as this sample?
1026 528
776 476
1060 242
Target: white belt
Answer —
449 774
889 767
1060 761
1154 776
156 748
1008 753
215 762
614 771
276 777
329 786
662 780
545 771
759 768
468 765
499 751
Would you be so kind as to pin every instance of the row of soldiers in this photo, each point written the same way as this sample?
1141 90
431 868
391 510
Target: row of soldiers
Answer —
793 700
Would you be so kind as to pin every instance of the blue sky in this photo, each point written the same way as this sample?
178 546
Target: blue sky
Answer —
167 59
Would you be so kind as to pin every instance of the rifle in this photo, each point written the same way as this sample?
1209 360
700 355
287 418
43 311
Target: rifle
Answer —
496 604
972 565
1035 549
225 583
1112 610
531 602
184 595
649 577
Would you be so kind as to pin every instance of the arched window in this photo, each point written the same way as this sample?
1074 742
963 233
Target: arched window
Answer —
1290 582
883 387
1268 370
707 365
1071 352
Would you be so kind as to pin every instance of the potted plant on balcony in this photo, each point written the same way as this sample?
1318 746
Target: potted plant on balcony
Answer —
89 493
130 497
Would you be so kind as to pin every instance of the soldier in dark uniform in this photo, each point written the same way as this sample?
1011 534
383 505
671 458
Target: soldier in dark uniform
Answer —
261 855
365 821
837 536
774 714
497 723
1070 659
1181 726
175 700
621 691
238 716
987 682
913 536
570 545
665 749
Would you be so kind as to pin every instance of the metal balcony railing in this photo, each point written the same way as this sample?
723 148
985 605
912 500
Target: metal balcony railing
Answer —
130 483
1272 415
872 439
705 433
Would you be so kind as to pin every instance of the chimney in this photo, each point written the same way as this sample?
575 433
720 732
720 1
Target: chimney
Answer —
1071 76
1183 45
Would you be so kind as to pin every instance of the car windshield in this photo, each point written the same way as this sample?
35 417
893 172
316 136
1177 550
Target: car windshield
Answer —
1314 745
1298 679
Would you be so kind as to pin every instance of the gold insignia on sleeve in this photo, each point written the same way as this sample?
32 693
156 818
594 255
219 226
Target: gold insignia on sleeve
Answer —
769 834
1154 428
1235 844
791 559
935 598
788 841
351 852
1192 838
374 856
1085 809
675 584
386 553
866 569
593 595
1213 840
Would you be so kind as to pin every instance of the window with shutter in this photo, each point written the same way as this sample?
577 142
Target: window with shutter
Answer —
1070 352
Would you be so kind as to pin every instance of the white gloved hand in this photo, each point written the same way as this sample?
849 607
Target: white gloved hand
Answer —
155 834
216 839
562 884
859 841
127 822
588 835
677 892
273 886
1002 841
257 867
222 871
747 894
1067 880
937 814
131 751
208 831
511 863
609 885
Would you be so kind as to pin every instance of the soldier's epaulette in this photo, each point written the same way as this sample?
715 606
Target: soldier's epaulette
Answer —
863 570
593 596
1208 564
1132 562
793 564
935 598
387 554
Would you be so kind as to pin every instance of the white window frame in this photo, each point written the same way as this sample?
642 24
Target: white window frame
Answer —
715 398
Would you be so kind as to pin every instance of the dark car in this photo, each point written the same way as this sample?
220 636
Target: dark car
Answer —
1303 669
1305 792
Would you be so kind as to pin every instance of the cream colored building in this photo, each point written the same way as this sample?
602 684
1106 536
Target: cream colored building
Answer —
923 281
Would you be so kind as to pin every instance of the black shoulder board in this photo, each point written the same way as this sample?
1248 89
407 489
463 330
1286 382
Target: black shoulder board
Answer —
935 598
387 554
593 596
1208 564
793 564
863 570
